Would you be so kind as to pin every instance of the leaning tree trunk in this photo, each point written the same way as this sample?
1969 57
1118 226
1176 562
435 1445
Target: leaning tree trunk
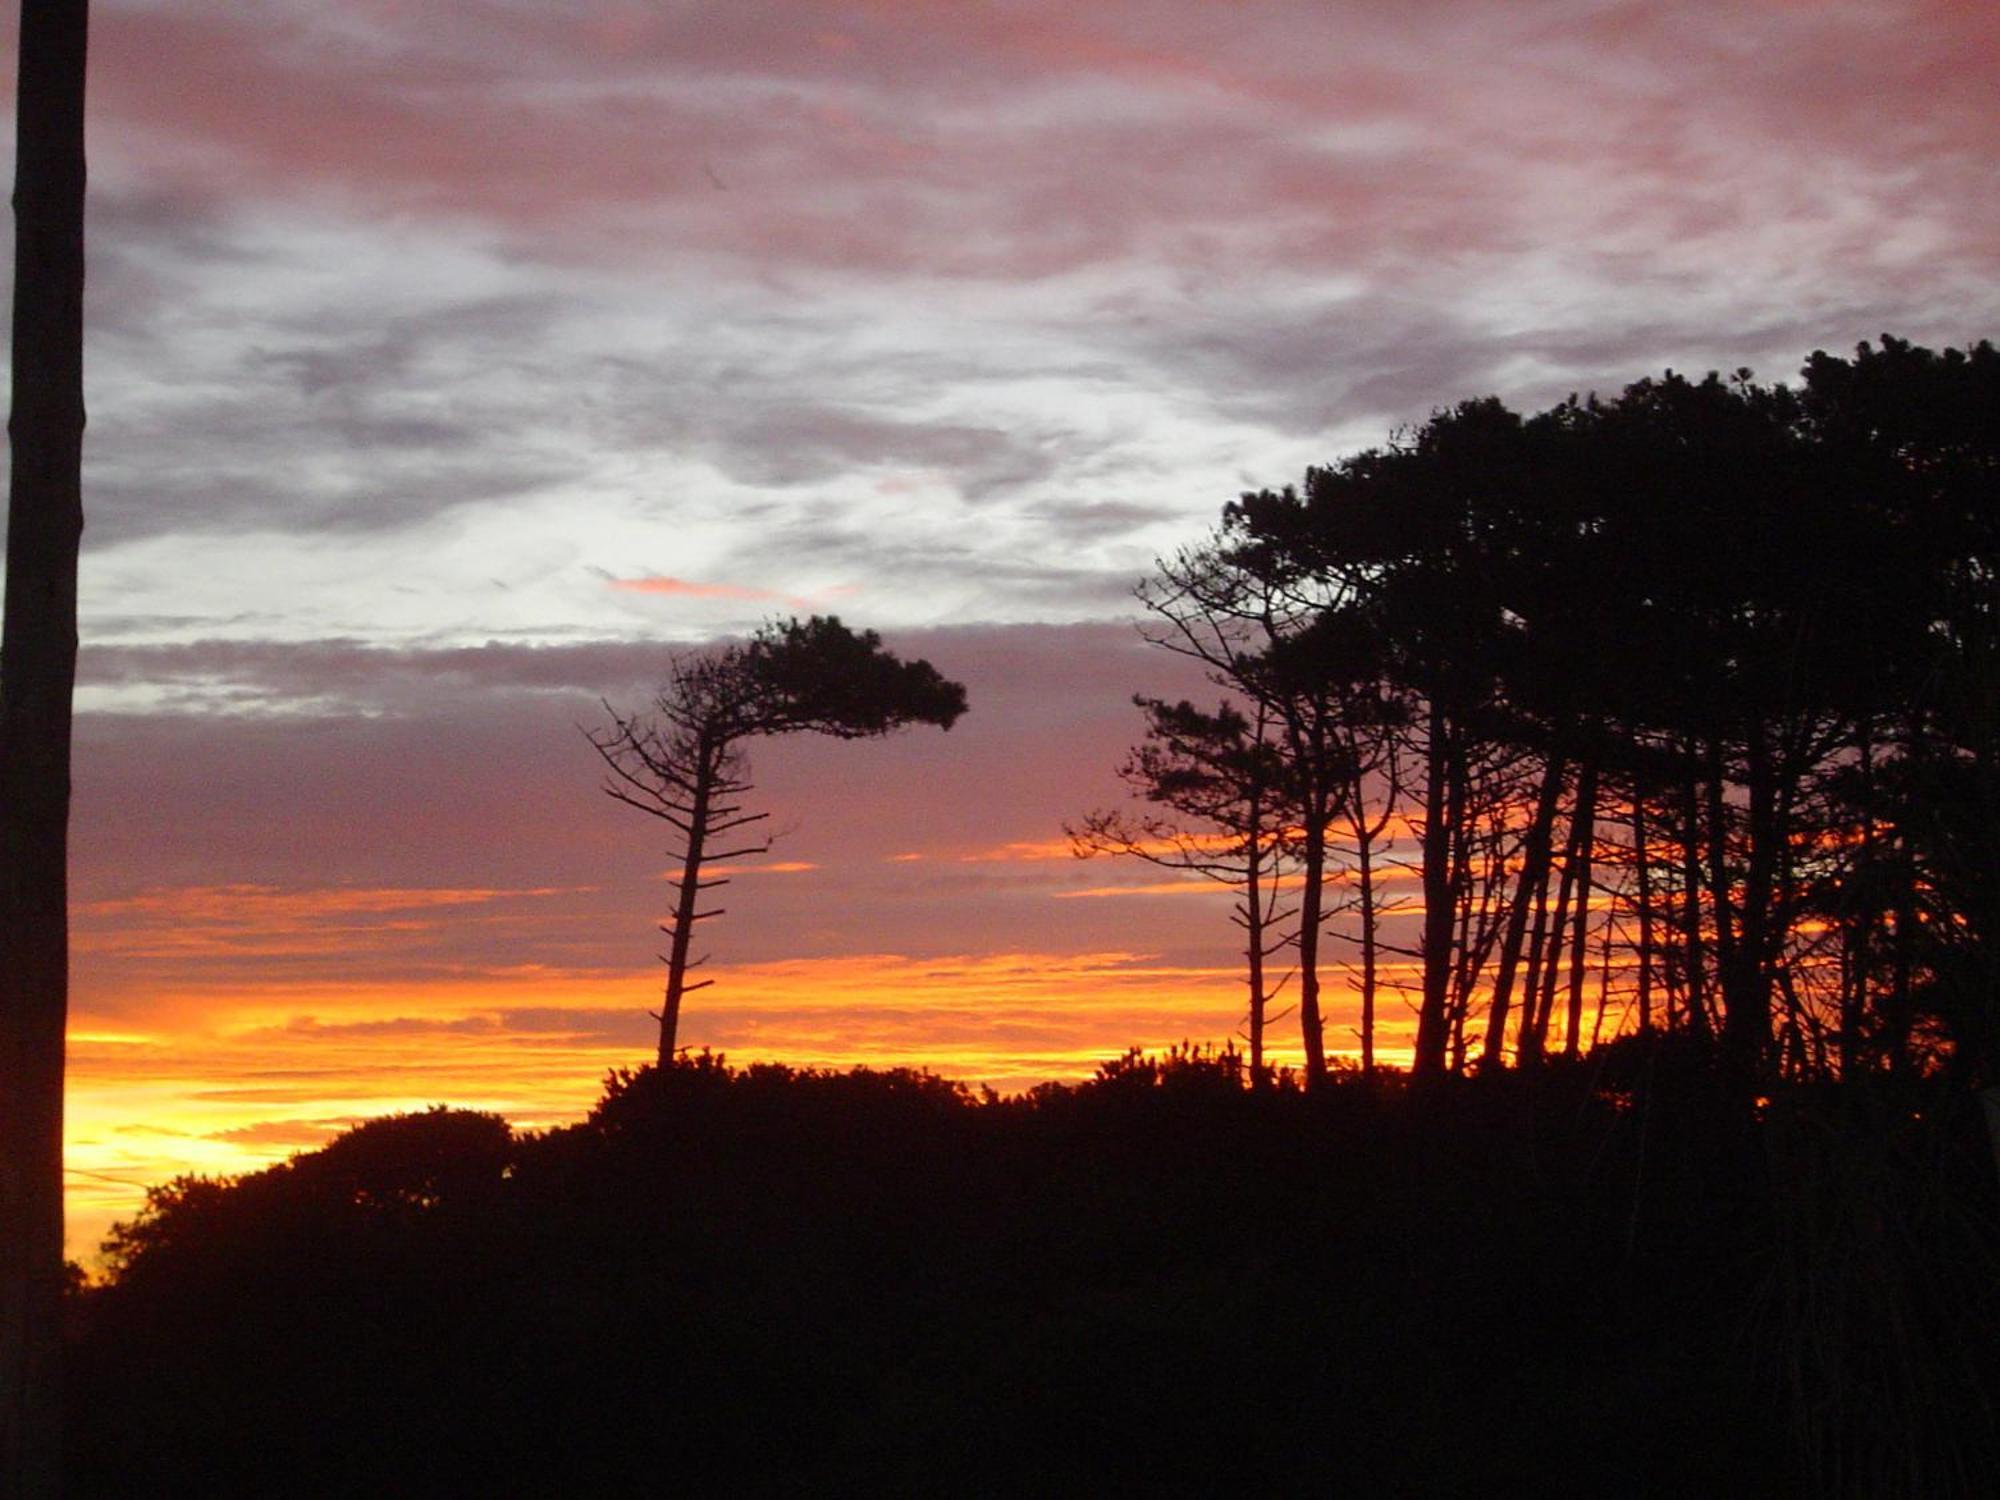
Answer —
708 763
37 674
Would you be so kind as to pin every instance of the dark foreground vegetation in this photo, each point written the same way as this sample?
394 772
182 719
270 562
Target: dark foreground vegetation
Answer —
1608 1277
1681 710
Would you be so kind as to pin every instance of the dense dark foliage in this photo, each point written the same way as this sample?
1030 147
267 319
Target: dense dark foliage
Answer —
757 1280
1686 704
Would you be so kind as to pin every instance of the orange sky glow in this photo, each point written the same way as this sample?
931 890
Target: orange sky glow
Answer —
219 1028
227 1080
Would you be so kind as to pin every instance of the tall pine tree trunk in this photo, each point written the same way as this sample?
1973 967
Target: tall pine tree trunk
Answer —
1253 927
1552 929
1311 900
1585 846
1643 878
37 675
1722 940
1747 1023
1433 1022
1526 1054
1694 963
1364 864
1305 732
1541 997
1465 950
1859 918
1534 871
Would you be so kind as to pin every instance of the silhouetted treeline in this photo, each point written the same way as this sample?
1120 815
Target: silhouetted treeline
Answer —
1680 711
1594 1281
1678 716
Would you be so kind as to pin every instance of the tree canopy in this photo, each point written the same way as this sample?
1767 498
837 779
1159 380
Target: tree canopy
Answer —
685 761
1689 694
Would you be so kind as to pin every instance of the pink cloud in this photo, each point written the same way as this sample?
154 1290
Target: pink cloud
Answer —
687 588
1480 129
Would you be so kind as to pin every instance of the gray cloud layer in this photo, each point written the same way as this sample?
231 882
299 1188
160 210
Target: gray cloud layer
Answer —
969 307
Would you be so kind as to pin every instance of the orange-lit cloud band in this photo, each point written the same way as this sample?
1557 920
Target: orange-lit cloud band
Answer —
230 1079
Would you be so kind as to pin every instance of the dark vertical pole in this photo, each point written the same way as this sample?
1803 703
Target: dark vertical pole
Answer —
37 675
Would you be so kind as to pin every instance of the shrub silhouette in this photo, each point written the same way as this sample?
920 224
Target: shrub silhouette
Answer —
779 1278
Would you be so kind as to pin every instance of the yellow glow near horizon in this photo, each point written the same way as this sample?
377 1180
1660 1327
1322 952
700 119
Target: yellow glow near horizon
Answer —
222 1080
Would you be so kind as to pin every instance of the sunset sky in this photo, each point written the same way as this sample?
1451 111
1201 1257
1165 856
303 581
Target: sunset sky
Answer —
450 363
